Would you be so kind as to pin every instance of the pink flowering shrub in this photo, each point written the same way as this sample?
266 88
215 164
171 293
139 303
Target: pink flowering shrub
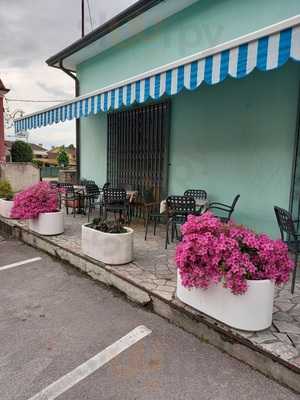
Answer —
37 199
212 252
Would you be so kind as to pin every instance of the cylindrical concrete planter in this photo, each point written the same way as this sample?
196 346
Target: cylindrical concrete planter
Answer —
109 248
251 311
48 224
5 208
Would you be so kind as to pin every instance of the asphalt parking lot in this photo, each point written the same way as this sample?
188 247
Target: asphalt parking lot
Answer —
64 336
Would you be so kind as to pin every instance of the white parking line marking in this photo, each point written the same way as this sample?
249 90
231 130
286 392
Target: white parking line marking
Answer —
17 264
52 391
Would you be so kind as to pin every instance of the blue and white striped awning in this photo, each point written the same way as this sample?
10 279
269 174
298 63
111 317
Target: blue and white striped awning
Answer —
264 50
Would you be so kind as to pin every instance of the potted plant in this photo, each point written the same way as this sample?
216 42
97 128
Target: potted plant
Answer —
228 271
6 198
108 241
39 205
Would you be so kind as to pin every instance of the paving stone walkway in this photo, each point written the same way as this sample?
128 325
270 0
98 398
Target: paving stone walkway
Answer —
154 269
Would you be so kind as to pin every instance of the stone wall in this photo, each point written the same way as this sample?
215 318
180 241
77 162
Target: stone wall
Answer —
20 175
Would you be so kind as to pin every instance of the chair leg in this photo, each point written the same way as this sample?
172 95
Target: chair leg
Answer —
176 231
173 231
155 224
129 214
294 274
167 234
146 226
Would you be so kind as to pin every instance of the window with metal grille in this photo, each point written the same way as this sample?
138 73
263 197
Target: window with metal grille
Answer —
137 149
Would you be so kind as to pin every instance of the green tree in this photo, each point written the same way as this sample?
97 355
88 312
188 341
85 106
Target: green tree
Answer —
63 158
21 152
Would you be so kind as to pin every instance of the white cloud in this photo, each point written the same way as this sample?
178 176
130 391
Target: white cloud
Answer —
30 32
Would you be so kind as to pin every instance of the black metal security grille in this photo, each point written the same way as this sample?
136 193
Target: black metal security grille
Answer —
137 149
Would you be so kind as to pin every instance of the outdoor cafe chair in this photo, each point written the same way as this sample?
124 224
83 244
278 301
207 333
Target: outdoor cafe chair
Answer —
151 211
84 182
178 209
62 189
289 235
197 194
115 200
227 209
93 199
71 198
54 184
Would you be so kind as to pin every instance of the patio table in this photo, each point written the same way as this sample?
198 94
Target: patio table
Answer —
200 204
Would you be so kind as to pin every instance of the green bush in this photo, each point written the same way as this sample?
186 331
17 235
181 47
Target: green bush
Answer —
21 152
5 190
37 163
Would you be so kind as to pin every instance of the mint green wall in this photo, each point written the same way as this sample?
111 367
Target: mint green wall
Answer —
93 148
238 137
203 25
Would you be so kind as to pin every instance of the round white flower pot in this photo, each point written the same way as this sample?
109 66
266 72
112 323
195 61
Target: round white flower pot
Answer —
251 311
109 248
48 224
5 208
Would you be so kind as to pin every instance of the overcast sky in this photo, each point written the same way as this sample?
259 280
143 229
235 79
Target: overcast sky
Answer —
30 32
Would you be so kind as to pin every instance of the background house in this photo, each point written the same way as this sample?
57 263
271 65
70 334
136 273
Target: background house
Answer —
39 152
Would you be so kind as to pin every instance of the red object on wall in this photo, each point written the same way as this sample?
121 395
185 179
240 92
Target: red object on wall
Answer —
3 91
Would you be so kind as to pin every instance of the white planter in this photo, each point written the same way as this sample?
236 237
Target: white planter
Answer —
109 248
251 311
5 208
48 224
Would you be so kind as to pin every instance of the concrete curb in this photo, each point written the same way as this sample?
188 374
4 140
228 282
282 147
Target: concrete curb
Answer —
185 317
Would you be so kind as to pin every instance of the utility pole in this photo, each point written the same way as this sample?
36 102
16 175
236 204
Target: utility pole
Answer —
82 18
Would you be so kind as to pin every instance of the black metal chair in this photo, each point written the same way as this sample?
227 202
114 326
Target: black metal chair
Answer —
115 200
150 210
93 198
290 236
54 184
178 209
70 198
85 182
227 209
105 186
197 194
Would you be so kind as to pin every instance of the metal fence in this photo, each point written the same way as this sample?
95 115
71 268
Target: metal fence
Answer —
49 172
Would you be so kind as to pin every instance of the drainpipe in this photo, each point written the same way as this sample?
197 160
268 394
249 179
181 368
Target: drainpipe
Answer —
77 93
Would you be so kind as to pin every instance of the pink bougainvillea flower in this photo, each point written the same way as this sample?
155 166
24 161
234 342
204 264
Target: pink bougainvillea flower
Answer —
37 199
212 252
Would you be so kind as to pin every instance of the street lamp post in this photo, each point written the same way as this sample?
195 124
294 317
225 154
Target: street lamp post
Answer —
3 92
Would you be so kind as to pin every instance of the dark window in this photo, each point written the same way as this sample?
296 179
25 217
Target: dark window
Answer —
137 149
